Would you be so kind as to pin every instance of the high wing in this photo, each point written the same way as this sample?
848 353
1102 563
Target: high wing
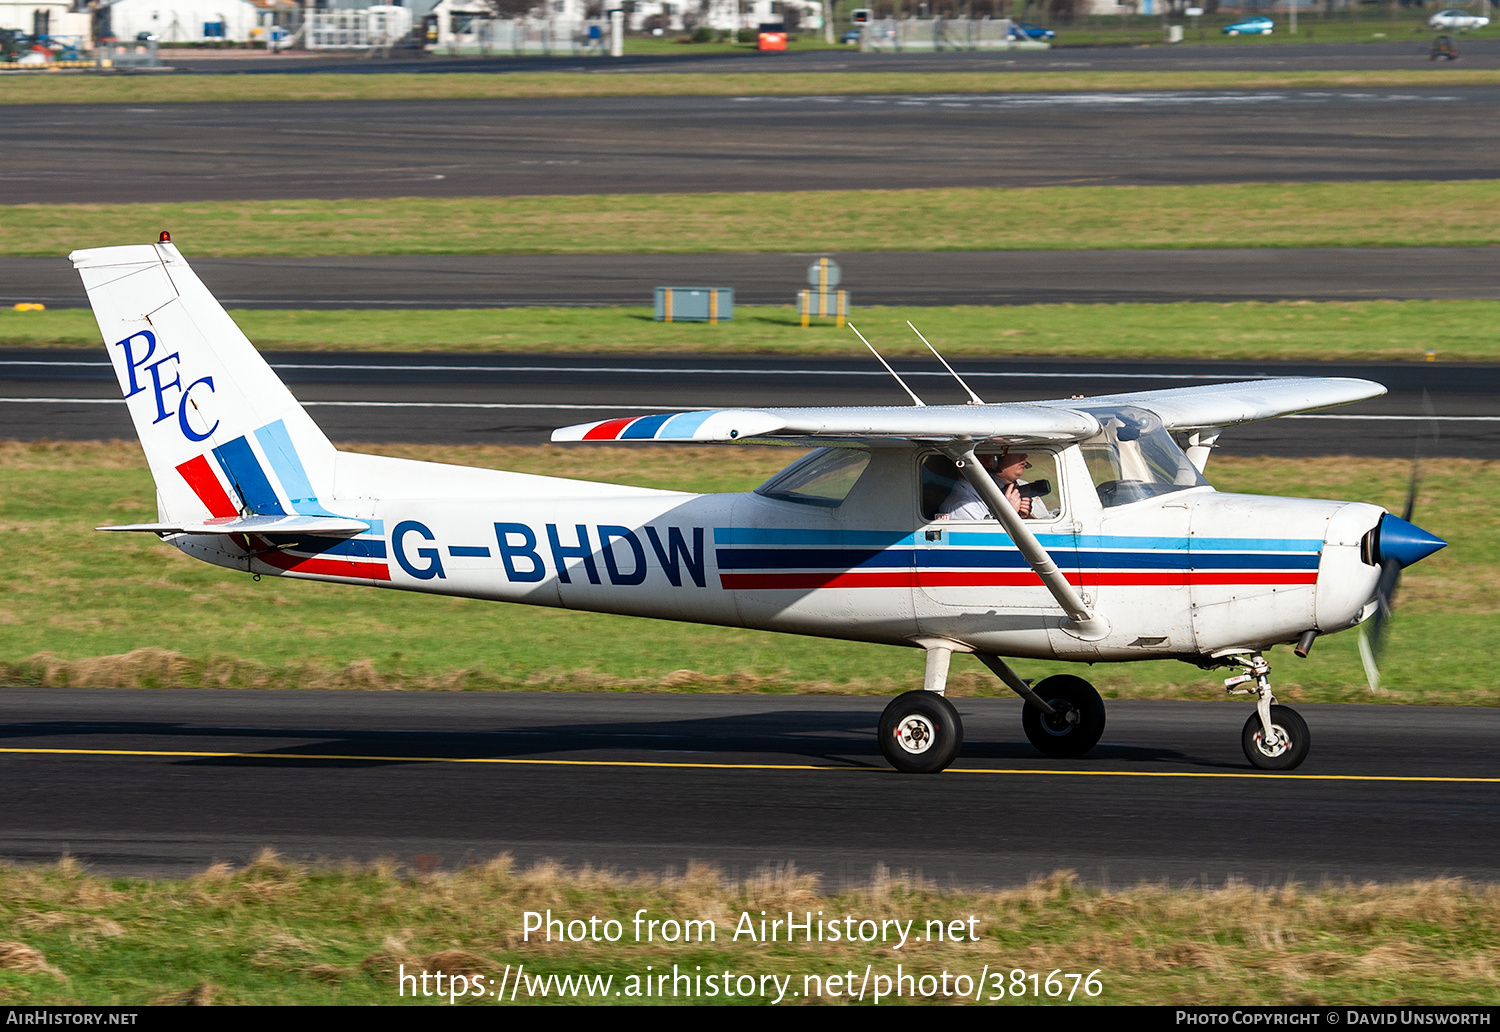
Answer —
1228 404
1013 424
1058 420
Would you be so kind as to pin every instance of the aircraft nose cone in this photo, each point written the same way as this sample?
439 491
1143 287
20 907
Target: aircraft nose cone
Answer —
1406 543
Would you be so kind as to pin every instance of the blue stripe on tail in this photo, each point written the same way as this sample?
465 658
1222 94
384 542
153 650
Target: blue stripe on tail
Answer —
243 470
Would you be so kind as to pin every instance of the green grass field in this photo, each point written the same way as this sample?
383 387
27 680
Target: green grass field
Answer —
1363 214
278 933
84 608
1292 331
88 88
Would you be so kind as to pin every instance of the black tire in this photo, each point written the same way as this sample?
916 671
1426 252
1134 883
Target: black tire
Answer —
1078 723
920 732
1286 757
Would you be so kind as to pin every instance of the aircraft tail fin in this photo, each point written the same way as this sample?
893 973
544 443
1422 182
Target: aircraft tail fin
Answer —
222 434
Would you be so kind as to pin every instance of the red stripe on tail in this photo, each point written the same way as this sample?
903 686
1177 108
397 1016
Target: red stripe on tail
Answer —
200 477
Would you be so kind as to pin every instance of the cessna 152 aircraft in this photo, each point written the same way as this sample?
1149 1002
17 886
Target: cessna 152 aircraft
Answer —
1116 548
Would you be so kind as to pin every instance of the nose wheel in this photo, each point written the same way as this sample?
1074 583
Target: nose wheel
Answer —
920 732
1275 736
1284 748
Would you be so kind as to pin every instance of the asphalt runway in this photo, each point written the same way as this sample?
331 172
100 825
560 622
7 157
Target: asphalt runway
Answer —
647 783
873 278
451 148
1450 409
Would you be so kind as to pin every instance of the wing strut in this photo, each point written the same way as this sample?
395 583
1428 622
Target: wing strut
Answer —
1081 621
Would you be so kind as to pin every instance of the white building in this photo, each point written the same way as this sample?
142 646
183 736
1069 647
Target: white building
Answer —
730 15
459 21
184 21
47 18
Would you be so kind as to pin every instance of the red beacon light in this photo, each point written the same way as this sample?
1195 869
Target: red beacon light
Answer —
165 238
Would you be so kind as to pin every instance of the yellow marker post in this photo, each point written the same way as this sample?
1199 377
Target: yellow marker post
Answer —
823 300
667 303
713 307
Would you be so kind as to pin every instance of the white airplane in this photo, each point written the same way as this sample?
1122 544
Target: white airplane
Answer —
1120 550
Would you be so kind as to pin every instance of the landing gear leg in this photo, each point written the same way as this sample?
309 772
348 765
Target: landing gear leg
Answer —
1275 737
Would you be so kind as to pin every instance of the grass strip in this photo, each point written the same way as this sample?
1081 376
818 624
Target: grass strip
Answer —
275 932
1291 331
104 610
88 88
1362 214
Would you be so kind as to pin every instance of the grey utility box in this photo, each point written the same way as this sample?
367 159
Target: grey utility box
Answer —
694 304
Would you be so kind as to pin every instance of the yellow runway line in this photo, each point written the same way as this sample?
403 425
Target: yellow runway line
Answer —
416 759
186 754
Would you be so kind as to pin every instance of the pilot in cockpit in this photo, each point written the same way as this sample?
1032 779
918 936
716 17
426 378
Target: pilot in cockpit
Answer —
964 503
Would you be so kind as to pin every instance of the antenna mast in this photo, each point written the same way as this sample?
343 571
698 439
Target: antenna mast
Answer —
974 399
915 400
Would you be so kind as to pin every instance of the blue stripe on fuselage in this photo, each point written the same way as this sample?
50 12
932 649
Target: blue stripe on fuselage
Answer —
364 548
1009 558
981 538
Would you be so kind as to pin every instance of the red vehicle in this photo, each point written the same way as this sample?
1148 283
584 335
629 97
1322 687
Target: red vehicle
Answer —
771 36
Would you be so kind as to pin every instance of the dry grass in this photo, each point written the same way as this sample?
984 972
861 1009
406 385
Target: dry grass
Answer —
159 89
71 455
279 932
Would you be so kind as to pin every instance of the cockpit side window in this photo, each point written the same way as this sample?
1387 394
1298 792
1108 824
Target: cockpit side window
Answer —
1133 457
946 495
823 478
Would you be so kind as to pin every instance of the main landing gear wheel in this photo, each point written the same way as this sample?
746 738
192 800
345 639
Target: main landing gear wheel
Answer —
1076 725
920 732
1290 746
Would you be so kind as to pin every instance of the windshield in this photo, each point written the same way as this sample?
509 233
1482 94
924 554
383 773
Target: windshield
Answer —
823 478
1134 457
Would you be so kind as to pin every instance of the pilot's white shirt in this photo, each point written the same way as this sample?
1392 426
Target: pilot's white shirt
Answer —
964 503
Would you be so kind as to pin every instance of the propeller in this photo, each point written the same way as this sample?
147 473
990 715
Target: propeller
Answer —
1395 544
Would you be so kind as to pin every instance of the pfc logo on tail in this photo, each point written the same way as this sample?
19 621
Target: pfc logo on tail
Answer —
136 363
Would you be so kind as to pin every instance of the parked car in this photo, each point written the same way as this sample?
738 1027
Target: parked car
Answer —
1025 30
1456 19
1259 26
850 38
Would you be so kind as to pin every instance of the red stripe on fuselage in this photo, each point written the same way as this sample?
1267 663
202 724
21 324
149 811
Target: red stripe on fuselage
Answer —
200 477
1000 579
325 566
830 579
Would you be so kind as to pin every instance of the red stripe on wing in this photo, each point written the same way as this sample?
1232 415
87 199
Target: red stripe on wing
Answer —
610 429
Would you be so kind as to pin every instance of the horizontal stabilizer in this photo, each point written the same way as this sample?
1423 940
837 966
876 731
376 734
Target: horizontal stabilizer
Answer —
329 526
1013 424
